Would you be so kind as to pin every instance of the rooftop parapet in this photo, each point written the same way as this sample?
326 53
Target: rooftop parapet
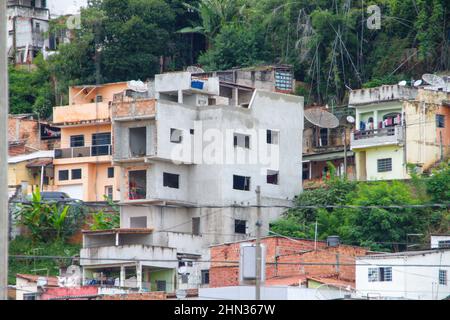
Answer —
384 93
185 81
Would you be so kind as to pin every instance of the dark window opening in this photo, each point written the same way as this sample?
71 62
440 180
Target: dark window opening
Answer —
241 183
242 140
272 177
138 141
272 137
171 180
111 172
440 121
63 175
137 184
323 137
305 171
76 141
176 136
192 131
240 226
205 276
161 286
196 226
76 174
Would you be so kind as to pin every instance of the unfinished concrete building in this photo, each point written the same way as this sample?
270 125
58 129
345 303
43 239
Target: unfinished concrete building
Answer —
191 153
28 23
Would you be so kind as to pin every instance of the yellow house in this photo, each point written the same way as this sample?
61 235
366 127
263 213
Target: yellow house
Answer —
83 165
397 126
31 170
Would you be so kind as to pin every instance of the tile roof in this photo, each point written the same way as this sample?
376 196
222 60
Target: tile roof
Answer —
292 281
51 281
333 281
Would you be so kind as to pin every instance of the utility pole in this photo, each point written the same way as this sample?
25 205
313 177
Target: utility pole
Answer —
4 111
258 245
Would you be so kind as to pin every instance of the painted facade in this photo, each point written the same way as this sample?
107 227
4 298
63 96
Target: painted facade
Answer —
404 275
397 126
83 164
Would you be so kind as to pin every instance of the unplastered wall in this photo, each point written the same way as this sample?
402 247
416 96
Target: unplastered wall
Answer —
122 140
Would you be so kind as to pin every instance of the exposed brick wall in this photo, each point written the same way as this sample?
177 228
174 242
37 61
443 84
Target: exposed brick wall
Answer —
137 296
284 258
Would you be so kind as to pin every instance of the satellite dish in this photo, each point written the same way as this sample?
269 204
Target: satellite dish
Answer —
181 294
137 86
403 83
351 119
418 83
321 118
41 282
194 69
434 80
73 271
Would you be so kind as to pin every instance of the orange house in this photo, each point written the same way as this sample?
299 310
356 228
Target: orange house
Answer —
83 165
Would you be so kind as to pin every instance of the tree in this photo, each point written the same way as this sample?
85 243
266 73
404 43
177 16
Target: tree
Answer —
49 221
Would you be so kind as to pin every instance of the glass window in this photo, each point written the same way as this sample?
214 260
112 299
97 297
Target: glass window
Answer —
242 140
109 192
76 174
241 183
63 175
373 274
76 141
440 121
272 137
443 277
101 139
386 274
205 276
111 172
385 165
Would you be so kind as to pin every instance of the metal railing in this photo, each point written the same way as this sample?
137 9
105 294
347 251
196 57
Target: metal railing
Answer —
384 132
81 152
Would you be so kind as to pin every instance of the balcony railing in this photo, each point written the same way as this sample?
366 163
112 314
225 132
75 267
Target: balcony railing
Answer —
82 152
377 137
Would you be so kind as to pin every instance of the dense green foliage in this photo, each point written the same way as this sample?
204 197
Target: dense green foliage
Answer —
23 246
328 42
103 220
49 221
31 91
377 228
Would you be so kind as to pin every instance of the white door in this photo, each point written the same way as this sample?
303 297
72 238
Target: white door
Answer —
74 191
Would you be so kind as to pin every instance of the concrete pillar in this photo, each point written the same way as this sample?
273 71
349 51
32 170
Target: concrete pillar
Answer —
139 276
122 276
180 96
235 97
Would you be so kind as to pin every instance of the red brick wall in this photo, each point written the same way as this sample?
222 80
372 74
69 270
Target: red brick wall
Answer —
137 296
288 263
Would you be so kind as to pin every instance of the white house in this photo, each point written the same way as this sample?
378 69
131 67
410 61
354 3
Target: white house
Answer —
418 275
192 152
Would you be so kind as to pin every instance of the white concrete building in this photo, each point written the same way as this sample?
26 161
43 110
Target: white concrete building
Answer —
417 275
28 22
188 149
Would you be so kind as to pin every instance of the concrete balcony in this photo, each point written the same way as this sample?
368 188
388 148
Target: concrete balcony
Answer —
81 114
377 138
